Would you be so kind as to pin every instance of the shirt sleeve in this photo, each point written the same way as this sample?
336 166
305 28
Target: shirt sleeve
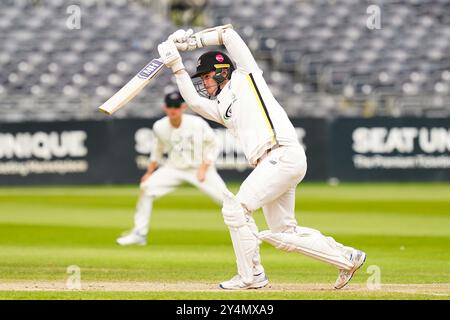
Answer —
204 107
210 143
157 148
239 52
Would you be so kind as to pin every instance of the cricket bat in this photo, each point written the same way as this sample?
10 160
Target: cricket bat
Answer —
133 87
140 80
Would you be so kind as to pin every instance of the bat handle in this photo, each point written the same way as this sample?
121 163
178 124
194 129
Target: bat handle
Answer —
210 36
223 27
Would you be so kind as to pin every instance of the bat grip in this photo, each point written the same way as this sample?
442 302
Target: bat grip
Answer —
218 29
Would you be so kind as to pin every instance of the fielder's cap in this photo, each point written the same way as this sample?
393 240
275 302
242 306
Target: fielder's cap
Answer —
211 61
173 99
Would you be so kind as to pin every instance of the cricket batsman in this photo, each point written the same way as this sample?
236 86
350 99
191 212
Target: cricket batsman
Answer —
238 97
192 149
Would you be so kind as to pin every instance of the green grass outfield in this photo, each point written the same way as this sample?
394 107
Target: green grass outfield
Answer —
404 228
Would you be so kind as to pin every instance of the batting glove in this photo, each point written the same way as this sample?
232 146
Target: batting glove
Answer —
170 56
184 40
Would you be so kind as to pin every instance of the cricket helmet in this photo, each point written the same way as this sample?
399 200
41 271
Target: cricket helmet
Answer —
213 61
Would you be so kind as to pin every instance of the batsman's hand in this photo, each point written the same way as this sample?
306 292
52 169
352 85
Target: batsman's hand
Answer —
170 56
184 40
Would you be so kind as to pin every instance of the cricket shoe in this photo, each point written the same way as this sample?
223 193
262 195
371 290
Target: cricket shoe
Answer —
259 280
132 239
344 276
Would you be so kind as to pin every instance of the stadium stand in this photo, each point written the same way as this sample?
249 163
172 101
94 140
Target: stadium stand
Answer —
319 57
327 49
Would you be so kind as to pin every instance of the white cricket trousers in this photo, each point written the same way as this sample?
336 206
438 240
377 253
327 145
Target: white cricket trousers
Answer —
165 180
271 185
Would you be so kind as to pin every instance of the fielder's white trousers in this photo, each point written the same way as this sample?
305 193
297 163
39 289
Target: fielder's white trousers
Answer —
165 180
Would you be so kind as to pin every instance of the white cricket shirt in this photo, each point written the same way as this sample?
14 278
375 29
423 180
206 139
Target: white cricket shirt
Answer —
245 105
186 146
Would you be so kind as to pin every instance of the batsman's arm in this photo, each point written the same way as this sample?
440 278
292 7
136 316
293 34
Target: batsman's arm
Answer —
239 52
172 59
237 48
204 107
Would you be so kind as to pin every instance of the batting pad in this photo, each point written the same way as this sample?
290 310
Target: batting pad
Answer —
309 242
245 242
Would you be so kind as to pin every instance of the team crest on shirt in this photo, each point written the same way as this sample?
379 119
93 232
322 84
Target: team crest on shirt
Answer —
228 112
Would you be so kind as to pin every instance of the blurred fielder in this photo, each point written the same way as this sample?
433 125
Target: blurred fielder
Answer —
239 98
192 149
